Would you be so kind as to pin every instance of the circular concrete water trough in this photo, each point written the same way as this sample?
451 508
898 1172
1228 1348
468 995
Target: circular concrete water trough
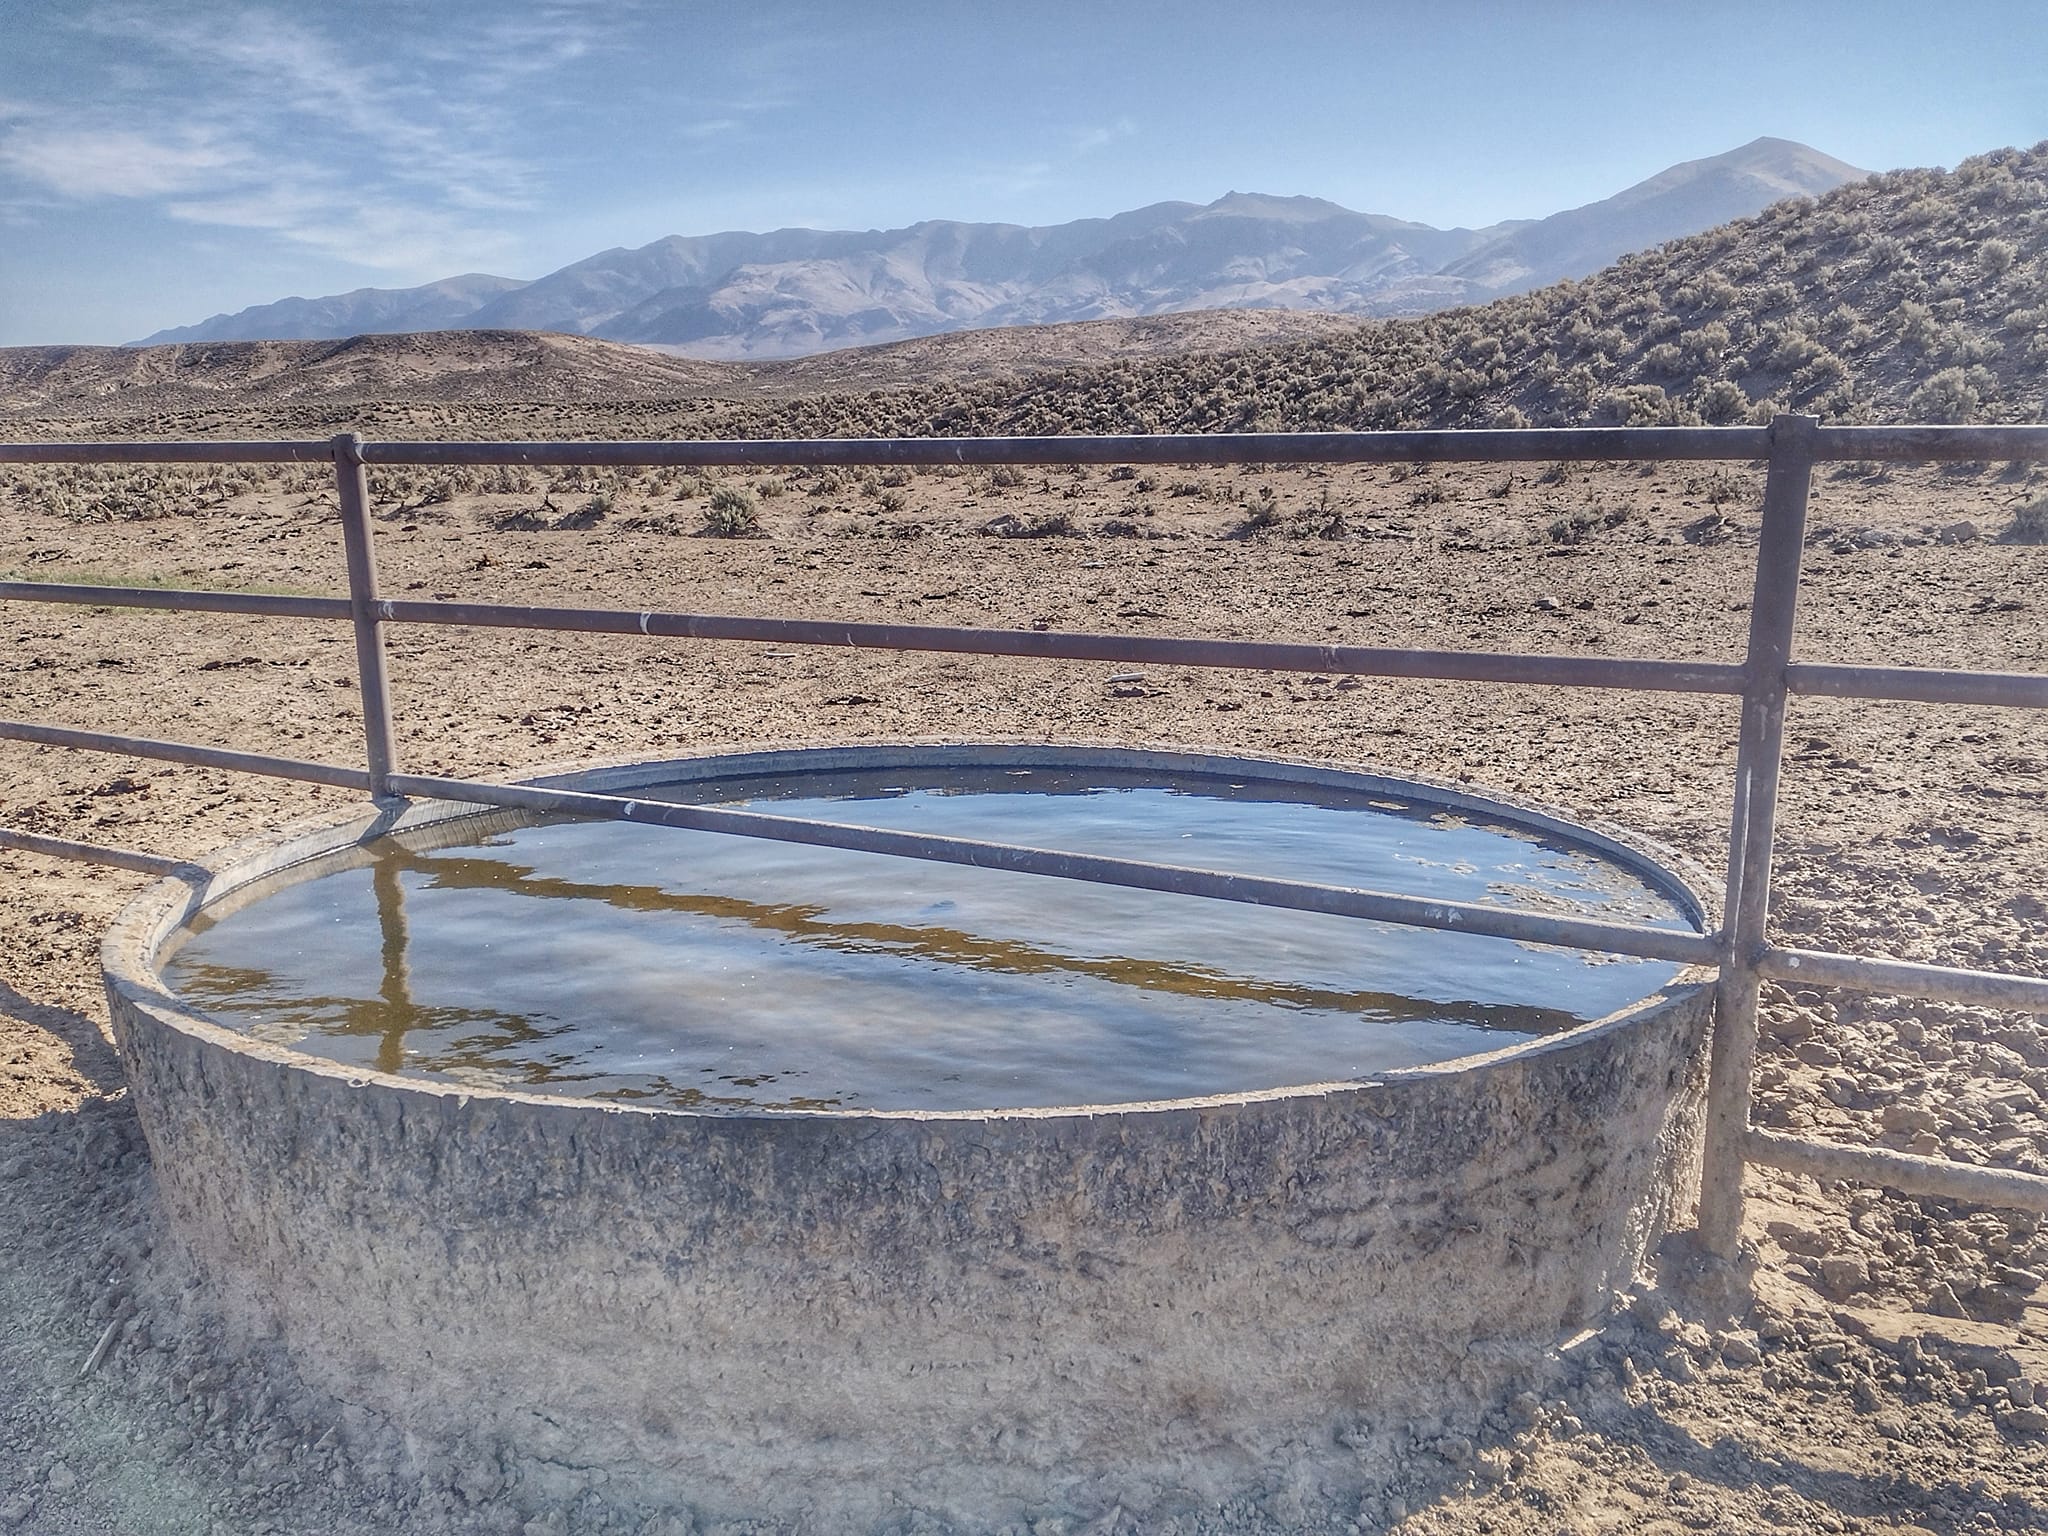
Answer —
830 1318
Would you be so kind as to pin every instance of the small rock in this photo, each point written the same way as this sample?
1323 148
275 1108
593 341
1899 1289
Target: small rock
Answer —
2030 1420
1831 1351
62 1479
1771 1325
479 1480
1941 1301
15 1512
1791 1026
1958 533
1739 1349
1909 1119
1455 1449
1843 1274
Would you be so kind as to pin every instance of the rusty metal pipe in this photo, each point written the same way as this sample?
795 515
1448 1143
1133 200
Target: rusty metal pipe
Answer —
1464 917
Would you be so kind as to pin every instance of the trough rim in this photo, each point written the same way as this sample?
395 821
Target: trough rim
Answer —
139 938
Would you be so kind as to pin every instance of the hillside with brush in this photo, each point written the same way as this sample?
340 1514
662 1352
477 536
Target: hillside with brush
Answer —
1913 295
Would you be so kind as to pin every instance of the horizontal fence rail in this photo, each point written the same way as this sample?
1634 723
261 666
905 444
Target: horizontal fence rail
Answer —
90 853
1144 650
1043 645
1939 1177
187 753
1905 978
1881 444
176 600
1299 896
1919 685
1765 681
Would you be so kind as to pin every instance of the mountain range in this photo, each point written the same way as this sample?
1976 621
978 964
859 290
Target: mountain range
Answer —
794 292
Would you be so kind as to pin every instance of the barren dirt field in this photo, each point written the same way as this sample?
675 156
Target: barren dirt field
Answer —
1892 1375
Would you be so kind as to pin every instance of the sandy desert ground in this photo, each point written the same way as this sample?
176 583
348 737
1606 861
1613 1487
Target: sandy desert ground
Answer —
1893 1373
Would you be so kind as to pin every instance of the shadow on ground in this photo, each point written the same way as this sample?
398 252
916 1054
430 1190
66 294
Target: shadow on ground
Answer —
92 1057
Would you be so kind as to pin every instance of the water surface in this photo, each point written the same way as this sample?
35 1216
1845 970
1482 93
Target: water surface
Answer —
696 970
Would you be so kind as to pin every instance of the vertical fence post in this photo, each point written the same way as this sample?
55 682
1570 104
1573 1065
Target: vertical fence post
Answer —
353 484
1774 608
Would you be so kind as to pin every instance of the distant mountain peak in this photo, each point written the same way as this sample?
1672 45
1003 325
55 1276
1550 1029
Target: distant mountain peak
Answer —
1266 205
789 292
1682 199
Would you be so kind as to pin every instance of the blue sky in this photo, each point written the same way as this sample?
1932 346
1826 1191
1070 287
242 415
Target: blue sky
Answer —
162 160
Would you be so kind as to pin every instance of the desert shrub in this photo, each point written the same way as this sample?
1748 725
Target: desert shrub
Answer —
1795 349
1719 487
1916 326
731 512
1823 370
1711 291
1723 402
592 511
507 480
1008 525
2029 523
1665 358
768 487
1639 405
1575 528
1947 397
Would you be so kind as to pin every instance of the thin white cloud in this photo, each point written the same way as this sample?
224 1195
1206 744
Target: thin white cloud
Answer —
1087 140
1016 178
262 119
86 162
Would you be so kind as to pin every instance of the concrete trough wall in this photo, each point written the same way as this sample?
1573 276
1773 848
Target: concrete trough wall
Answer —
830 1318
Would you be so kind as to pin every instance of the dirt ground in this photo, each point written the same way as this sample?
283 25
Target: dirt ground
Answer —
1892 1374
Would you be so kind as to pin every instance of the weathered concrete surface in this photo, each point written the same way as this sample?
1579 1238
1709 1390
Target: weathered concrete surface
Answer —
829 1318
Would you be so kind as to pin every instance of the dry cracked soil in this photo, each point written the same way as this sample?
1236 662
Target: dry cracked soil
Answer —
1887 1372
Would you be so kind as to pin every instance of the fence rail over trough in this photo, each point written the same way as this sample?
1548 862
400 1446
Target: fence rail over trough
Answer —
1764 681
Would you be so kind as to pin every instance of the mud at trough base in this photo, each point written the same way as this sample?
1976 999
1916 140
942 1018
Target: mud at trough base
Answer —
1892 1372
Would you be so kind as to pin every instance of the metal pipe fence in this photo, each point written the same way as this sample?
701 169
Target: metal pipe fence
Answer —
1764 681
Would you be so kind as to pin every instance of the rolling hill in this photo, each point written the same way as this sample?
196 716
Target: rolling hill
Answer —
1918 294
